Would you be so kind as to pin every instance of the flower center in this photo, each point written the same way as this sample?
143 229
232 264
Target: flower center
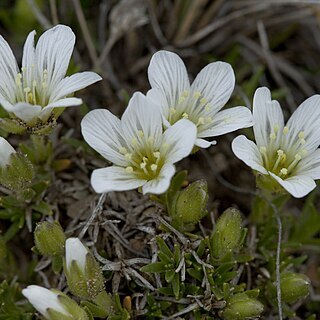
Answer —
283 162
31 89
194 107
144 159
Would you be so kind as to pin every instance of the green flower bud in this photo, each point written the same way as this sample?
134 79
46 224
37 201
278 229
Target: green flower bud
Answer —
190 205
53 304
228 233
49 238
84 275
240 307
294 286
16 171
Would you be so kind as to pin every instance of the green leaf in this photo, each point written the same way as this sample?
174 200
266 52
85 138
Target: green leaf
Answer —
176 285
155 267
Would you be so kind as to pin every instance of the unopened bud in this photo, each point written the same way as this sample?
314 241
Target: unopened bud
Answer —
49 238
83 272
16 171
294 286
54 305
190 206
241 307
227 234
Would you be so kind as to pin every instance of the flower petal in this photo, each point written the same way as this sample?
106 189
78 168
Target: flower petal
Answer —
310 165
8 71
53 53
227 121
74 83
297 186
178 140
75 251
248 152
142 115
162 182
114 179
102 131
307 119
5 151
168 74
267 115
201 143
42 299
28 60
63 103
157 97
216 83
26 112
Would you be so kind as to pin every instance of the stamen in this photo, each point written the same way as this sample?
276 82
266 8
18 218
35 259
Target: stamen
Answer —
181 100
284 171
201 120
263 151
140 133
173 110
154 167
129 169
273 136
185 115
207 107
128 156
297 158
281 155
185 93
197 95
123 150
157 154
285 130
209 120
203 101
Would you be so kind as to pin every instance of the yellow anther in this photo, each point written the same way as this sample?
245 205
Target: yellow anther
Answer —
34 83
197 95
207 107
284 171
27 90
145 159
276 129
302 141
156 154
303 152
185 115
280 153
154 167
123 150
203 101
209 120
263 149
140 133
185 93
285 130
129 169
128 156
298 157
181 99
201 120
134 141
301 135
273 136
143 165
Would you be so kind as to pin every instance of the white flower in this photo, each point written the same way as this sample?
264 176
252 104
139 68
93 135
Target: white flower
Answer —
40 86
43 299
76 251
200 102
287 154
143 155
5 152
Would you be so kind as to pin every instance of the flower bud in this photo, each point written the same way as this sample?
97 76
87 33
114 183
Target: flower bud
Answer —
190 206
16 171
53 305
83 272
227 234
49 238
241 307
294 286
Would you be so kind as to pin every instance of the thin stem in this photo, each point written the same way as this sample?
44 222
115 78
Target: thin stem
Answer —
278 280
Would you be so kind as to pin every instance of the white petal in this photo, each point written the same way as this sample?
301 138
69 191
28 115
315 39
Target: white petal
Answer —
216 83
267 114
168 74
298 186
158 98
8 71
26 112
142 115
162 182
74 83
42 299
28 60
5 152
102 131
53 53
227 121
248 152
75 251
310 166
114 179
178 140
307 119
201 143
63 103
